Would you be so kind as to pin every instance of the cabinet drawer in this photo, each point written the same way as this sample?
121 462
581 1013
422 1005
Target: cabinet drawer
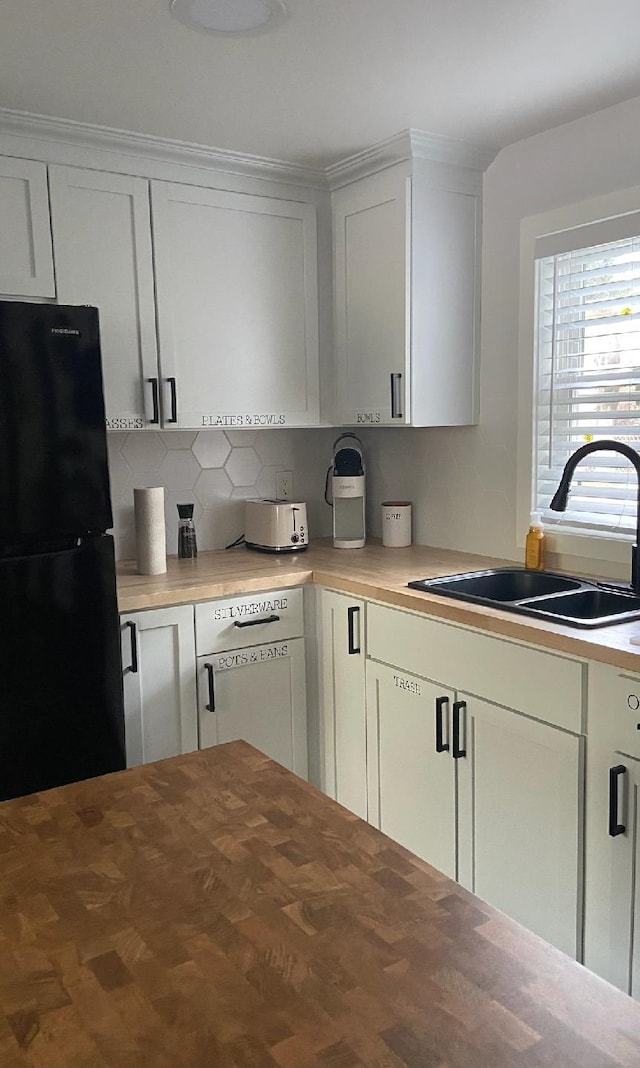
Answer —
621 713
540 684
236 622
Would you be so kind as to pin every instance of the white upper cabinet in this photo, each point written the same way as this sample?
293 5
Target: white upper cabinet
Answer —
26 260
407 297
102 241
237 308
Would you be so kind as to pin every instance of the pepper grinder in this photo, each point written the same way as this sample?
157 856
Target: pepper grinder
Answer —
187 547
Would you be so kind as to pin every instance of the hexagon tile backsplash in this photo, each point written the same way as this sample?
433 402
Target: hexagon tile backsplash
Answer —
217 471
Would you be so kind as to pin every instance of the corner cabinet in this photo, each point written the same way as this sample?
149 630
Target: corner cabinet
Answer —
158 665
343 715
26 258
407 296
237 294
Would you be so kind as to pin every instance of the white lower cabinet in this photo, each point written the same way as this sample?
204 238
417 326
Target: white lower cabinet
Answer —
612 882
490 794
411 777
251 674
158 658
256 693
342 701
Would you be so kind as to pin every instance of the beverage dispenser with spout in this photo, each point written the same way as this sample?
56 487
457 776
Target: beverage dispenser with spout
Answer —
347 478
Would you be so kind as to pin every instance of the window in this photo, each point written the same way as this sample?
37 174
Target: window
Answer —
588 371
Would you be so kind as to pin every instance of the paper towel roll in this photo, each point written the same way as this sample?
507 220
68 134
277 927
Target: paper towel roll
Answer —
151 540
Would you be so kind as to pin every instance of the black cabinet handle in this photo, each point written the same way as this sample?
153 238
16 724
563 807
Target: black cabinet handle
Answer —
396 408
133 666
174 401
441 702
256 622
353 648
211 707
456 751
615 828
154 400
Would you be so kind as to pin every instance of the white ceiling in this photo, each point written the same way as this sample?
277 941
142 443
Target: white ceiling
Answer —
337 77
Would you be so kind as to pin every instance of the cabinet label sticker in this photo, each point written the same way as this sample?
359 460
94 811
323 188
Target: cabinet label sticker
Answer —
407 684
368 417
244 657
270 419
125 422
252 608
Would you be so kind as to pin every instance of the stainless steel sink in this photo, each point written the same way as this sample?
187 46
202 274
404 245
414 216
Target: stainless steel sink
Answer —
544 594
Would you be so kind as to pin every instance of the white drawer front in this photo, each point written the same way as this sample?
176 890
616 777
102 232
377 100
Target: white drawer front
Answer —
540 684
236 622
622 713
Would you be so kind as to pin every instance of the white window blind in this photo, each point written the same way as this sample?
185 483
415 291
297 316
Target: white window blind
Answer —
588 365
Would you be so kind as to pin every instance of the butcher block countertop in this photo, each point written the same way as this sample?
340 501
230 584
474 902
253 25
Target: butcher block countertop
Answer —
213 910
374 572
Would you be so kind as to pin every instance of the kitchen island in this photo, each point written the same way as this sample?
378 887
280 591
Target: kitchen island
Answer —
215 910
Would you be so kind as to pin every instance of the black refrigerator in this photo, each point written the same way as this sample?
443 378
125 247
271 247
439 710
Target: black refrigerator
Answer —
61 706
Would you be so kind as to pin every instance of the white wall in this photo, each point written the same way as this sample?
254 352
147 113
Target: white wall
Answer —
462 481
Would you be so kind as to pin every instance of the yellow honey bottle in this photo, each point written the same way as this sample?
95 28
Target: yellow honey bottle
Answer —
534 544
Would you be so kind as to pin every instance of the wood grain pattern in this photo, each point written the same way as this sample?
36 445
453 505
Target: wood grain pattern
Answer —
213 910
374 572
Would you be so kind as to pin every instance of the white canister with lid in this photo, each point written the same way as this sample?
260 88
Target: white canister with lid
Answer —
396 523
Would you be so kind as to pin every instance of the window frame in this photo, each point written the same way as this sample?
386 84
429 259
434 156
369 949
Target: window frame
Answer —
569 549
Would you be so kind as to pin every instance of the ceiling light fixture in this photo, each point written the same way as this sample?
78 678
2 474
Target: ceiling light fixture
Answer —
230 16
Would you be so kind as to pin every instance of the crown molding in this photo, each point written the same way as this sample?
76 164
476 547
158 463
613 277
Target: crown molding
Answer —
160 149
405 147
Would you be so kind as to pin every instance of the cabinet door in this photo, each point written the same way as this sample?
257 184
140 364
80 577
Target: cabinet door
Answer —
237 308
623 841
258 694
159 666
26 259
520 818
102 241
343 700
411 776
371 265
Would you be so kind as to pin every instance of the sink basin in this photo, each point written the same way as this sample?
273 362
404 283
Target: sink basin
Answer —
592 604
544 594
504 584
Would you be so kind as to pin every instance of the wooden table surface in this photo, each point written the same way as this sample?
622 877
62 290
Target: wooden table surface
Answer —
213 910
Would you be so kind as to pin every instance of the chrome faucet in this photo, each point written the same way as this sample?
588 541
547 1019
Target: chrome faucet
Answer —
559 502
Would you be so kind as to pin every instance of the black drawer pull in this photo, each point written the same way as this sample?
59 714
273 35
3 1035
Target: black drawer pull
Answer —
211 707
441 702
615 828
154 399
255 622
133 666
456 751
353 648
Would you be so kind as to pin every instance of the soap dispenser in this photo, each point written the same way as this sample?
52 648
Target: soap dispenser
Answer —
534 544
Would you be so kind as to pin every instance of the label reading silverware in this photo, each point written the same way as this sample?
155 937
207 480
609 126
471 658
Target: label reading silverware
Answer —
252 608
